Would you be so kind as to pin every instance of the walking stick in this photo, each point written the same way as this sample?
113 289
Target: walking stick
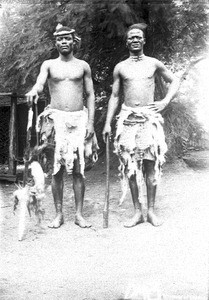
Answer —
27 147
107 192
36 115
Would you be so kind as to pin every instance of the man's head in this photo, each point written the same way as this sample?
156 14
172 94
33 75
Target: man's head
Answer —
135 37
65 39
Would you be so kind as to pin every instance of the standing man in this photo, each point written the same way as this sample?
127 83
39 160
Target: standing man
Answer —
66 123
139 142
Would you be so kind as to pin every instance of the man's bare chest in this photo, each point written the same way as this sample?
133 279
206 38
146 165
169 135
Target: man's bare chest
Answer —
66 72
137 72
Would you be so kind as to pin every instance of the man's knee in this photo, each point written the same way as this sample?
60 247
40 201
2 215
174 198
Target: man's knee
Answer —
58 176
149 168
132 178
77 175
77 170
150 180
132 181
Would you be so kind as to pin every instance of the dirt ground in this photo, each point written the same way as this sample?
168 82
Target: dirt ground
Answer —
117 262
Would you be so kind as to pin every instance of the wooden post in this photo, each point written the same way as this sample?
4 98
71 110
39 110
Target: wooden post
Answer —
12 135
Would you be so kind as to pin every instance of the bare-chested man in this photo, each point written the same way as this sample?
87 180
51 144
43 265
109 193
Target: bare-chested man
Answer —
68 78
139 140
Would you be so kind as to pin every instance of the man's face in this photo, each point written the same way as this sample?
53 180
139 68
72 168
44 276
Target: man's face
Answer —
135 40
64 44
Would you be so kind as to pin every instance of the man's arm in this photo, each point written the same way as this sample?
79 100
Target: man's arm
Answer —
89 89
113 102
169 77
33 94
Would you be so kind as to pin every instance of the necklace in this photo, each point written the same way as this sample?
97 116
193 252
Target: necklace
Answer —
137 57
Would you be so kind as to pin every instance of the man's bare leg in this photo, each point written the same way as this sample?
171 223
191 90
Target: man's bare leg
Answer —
138 216
151 192
57 191
79 190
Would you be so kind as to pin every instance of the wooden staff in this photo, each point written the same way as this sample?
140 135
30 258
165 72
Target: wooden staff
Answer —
107 192
36 115
27 147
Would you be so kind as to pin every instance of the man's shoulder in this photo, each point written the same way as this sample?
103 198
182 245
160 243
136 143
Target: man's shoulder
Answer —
123 62
153 60
49 62
80 61
121 65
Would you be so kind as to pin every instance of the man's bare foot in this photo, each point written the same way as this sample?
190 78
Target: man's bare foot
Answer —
57 222
79 220
137 219
153 219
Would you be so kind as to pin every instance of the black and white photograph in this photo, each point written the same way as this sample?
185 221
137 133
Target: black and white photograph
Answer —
104 150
